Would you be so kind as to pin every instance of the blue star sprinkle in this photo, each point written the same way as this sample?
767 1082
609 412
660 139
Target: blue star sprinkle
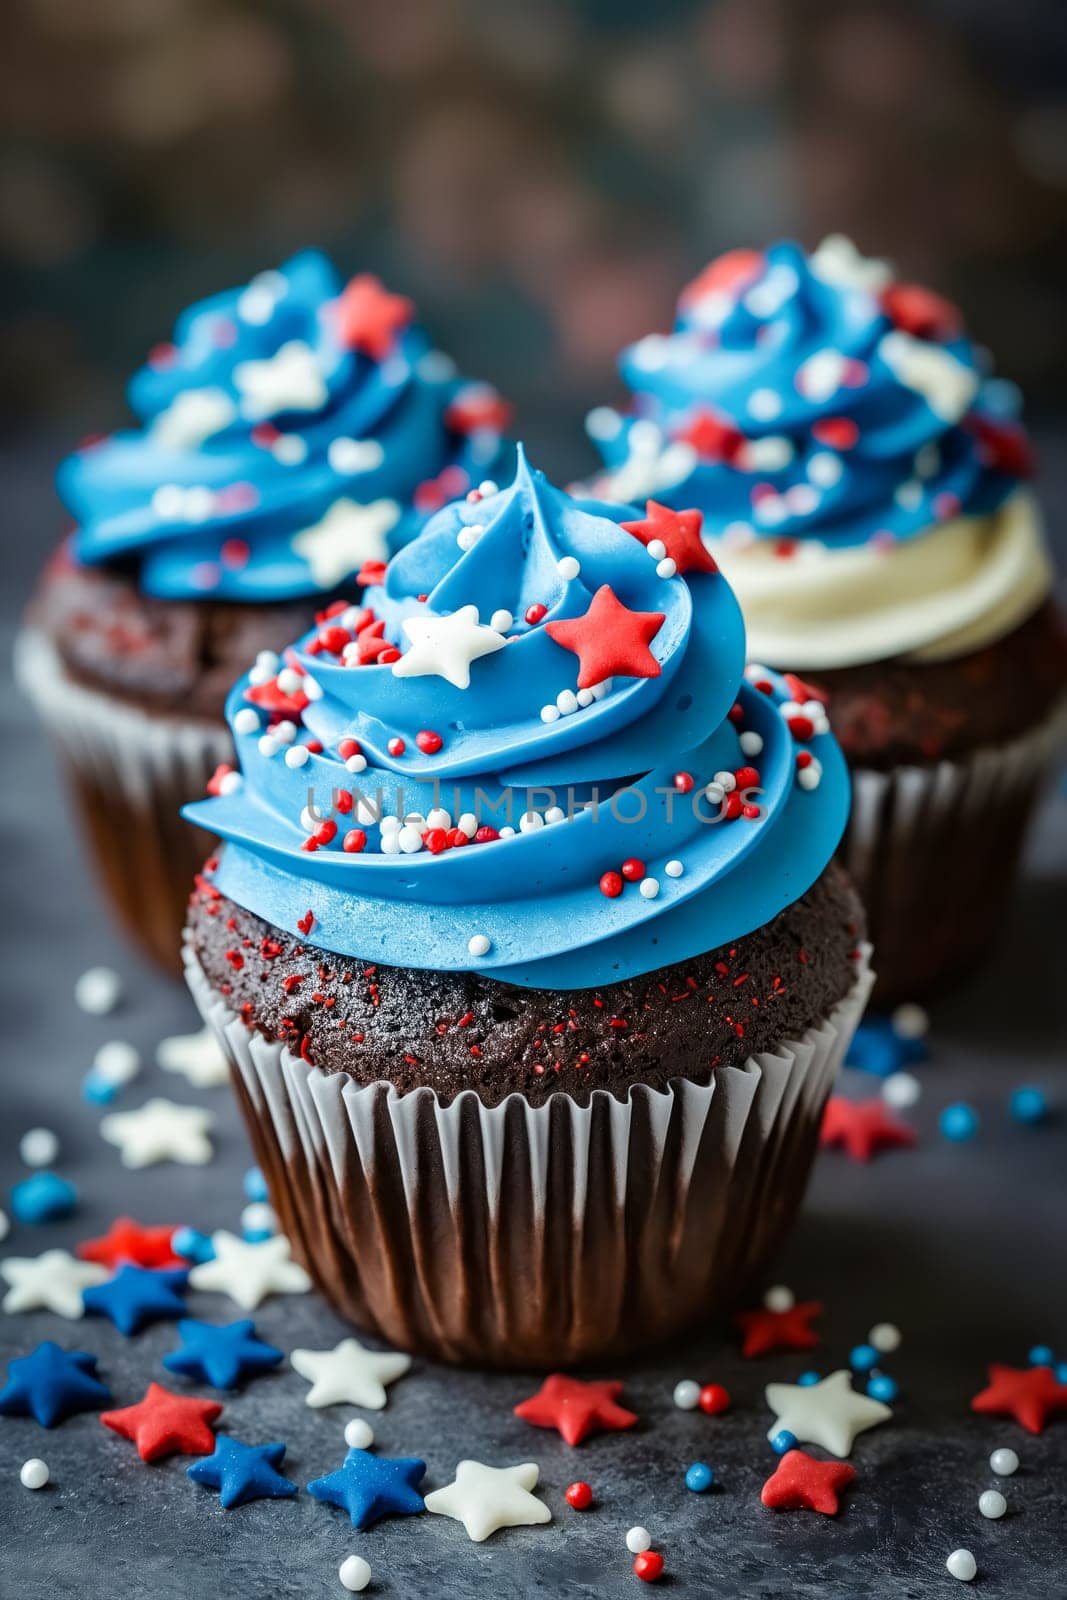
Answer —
44 1197
51 1384
221 1355
242 1472
136 1296
369 1487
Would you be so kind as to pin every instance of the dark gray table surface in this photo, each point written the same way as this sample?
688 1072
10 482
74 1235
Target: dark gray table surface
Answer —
962 1246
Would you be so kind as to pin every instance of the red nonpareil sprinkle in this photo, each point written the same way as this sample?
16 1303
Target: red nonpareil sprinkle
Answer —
293 981
348 748
305 1049
714 1399
486 835
683 782
611 885
343 802
475 1050
310 844
435 840
396 747
428 741
387 656
234 553
334 639
837 433
800 727
457 838
633 870
732 805
315 746
465 1020
326 831
804 758
746 778
214 783
737 712
535 613
750 813
618 1022
306 922
236 959
648 1566
579 1495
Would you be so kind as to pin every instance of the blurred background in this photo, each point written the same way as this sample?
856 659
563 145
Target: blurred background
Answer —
541 175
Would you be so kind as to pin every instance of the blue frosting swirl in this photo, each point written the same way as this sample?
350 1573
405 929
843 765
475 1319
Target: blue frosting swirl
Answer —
812 397
479 596
293 431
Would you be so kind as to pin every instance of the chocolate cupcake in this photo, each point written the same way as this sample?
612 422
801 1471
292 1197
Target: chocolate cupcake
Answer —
862 482
294 433
527 955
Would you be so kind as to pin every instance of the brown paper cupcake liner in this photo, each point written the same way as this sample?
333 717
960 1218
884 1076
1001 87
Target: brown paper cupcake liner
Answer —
934 854
516 1235
130 771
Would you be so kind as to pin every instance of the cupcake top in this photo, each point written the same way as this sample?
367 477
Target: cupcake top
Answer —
532 752
857 469
295 432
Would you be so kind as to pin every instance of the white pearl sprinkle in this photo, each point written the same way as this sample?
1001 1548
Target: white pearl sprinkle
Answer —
550 713
268 745
359 1435
290 450
650 888
674 869
354 1574
992 1504
34 1474
479 944
714 792
297 755
1004 1462
810 777
656 549
530 821
751 743
726 781
356 763
289 680
764 405
438 818
246 721
885 1337
961 1564
39 1147
501 621
230 783
487 488
390 823
285 732
666 568
116 1063
585 697
638 1539
309 820
901 1090
825 469
467 538
98 991
409 839
555 814
259 1217
779 1298
910 1021
468 822
389 844
686 1394
568 567
567 701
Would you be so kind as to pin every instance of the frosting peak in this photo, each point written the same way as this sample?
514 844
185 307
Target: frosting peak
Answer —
293 432
543 703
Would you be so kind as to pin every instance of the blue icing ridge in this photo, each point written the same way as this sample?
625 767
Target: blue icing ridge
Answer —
812 397
366 745
294 430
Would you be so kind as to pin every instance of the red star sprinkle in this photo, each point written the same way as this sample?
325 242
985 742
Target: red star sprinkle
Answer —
679 531
577 1409
369 317
863 1127
921 312
610 640
800 1483
127 1240
727 274
1029 1394
478 406
713 438
765 1330
1003 446
166 1424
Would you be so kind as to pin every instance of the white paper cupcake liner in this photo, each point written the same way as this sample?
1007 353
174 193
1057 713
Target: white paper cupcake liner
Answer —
131 771
534 1236
933 852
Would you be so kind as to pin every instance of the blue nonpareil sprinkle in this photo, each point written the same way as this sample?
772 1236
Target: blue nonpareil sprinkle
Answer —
255 1184
806 1379
880 1386
699 1477
863 1358
1028 1105
1041 1355
45 1197
959 1122
192 1245
783 1442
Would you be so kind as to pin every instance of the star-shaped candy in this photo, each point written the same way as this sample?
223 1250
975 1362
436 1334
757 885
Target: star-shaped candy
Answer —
290 380
51 1384
248 1273
678 532
220 1355
577 1409
243 1472
444 647
829 1413
160 1131
863 1127
127 1240
1029 1394
610 640
348 535
349 1374
136 1296
166 1424
192 416
50 1282
368 317
487 1498
197 1056
371 1487
801 1483
766 1330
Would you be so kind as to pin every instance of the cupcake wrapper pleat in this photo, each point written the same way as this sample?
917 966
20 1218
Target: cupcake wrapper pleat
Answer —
130 772
934 854
534 1236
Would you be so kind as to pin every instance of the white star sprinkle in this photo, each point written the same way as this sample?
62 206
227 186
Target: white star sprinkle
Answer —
444 647
947 386
829 1413
349 1374
347 536
838 262
193 416
51 1282
197 1056
287 381
248 1273
160 1131
487 1498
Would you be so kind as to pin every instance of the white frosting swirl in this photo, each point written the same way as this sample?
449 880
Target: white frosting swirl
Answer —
961 586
